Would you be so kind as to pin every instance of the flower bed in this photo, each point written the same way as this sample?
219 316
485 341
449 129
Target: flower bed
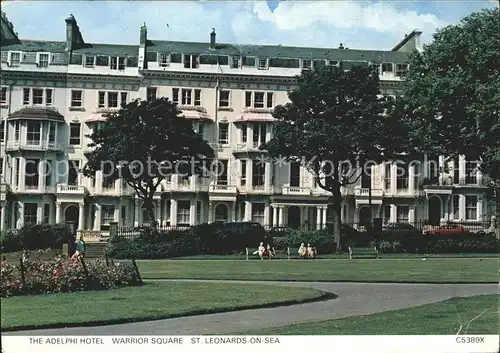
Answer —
64 275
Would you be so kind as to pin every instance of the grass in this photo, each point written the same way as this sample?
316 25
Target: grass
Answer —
442 318
152 301
433 270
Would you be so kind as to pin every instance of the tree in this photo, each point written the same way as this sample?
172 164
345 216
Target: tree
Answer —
335 121
452 94
144 143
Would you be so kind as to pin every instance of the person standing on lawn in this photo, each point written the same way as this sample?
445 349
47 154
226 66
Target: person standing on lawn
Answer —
80 249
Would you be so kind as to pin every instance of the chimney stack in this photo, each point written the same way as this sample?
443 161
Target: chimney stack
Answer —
212 39
144 34
143 62
74 38
341 46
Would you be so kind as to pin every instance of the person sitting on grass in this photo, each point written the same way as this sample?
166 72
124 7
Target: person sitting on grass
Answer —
262 251
312 252
302 251
80 249
270 251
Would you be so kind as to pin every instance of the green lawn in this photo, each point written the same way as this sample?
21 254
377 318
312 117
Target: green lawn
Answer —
293 255
398 270
442 318
149 302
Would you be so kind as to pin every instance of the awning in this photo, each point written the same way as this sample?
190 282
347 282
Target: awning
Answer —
37 113
195 115
95 118
256 118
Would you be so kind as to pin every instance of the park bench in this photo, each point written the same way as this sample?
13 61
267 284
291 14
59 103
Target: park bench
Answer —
363 251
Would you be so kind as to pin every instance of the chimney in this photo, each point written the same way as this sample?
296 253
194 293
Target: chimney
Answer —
143 63
341 46
144 35
74 38
212 39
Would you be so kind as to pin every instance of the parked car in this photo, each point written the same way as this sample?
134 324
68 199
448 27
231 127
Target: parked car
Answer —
447 229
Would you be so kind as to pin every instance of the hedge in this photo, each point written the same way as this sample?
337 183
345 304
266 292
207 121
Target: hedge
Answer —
35 236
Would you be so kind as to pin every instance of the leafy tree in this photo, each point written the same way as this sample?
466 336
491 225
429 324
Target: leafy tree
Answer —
452 93
144 143
335 121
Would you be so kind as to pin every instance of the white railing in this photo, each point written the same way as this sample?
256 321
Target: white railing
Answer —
258 110
365 192
70 189
195 108
34 146
296 190
231 189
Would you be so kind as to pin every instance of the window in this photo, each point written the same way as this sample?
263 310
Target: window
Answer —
186 96
401 70
471 172
46 213
258 170
43 60
73 169
223 133
306 63
107 181
175 95
74 133
48 96
30 213
48 172
183 212
456 206
151 93
15 58
123 214
387 176
31 173
258 211
244 132
107 214
387 214
224 99
222 169
375 68
123 98
17 130
191 61
52 132
198 212
3 96
163 59
89 61
259 134
2 130
243 177
37 96
402 214
235 62
34 132
117 63
76 99
263 64
402 177
26 96
259 99
387 67
110 99
471 207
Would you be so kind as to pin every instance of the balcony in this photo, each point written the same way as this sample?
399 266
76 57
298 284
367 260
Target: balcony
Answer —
71 189
296 190
34 146
34 189
365 192
225 189
4 189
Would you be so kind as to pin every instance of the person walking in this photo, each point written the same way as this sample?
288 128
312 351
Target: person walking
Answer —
80 249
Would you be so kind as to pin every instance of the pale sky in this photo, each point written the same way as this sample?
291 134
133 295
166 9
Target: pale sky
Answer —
356 24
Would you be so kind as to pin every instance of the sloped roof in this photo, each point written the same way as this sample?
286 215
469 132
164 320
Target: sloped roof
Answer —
34 113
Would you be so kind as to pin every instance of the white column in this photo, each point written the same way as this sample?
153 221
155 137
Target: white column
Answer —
268 177
210 211
446 203
275 215
173 212
192 213
116 213
41 177
394 178
480 208
233 211
248 211
249 174
461 207
97 219
137 212
39 212
266 214
461 169
81 216
22 172
394 214
323 222
249 135
58 212
118 186
280 215
411 214
157 204
342 215
318 217
98 182
2 218
411 178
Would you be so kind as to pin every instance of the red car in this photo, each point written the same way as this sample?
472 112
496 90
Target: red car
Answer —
448 229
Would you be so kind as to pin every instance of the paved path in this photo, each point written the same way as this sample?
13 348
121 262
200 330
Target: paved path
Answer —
353 299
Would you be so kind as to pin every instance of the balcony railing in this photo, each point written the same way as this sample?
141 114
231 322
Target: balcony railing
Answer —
230 189
365 192
70 189
450 181
34 146
296 190
258 110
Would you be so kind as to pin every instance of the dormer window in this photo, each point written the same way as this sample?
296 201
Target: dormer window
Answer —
307 64
43 59
401 70
163 59
117 63
191 61
263 64
89 61
14 58
333 63
387 67
235 62
375 68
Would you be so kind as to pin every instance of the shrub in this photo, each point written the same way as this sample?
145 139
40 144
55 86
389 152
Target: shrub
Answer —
64 275
35 236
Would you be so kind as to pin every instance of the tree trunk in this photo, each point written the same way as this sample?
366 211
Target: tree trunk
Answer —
497 212
336 202
148 205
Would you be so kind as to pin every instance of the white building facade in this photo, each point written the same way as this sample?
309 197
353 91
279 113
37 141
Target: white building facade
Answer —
53 94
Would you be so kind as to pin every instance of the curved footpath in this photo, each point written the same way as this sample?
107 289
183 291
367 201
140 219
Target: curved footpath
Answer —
353 299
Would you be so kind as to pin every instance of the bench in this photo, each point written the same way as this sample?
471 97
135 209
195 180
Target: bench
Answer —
363 251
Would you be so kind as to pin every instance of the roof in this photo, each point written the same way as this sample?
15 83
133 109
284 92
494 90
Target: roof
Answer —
35 113
39 46
108 49
403 41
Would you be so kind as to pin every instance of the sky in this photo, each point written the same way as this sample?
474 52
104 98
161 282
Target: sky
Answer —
376 25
